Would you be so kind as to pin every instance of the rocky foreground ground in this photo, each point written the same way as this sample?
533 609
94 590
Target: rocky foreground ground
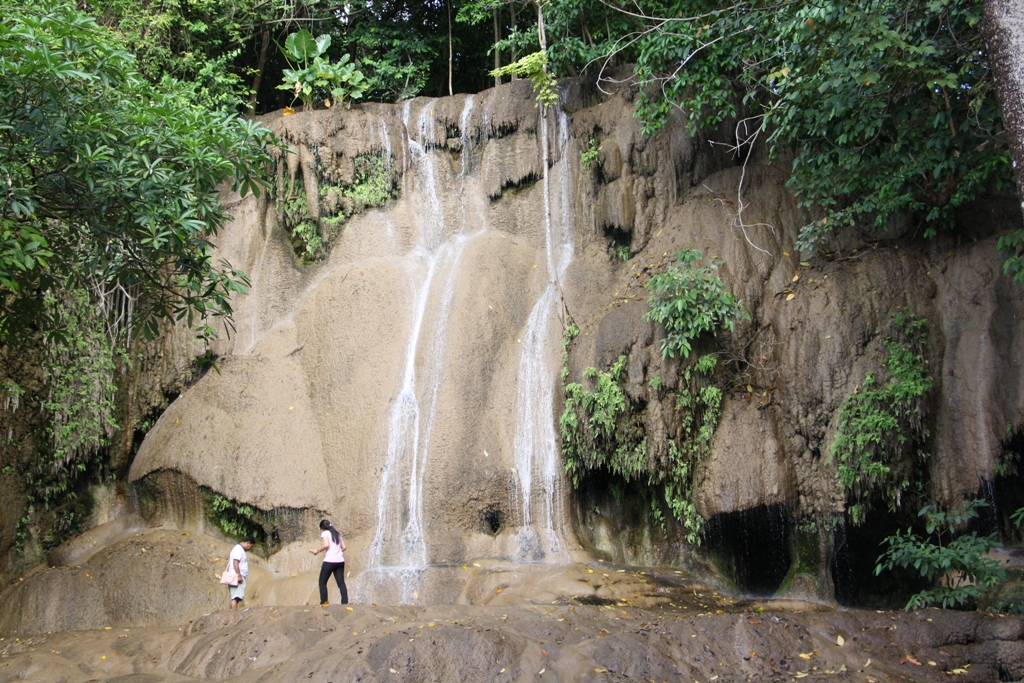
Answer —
564 642
141 606
532 643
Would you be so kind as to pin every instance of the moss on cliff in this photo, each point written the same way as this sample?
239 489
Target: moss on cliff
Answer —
373 184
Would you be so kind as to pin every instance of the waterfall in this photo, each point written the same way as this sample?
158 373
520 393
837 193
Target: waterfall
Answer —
398 553
464 138
536 452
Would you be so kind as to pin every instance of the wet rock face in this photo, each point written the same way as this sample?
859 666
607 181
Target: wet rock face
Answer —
378 377
817 329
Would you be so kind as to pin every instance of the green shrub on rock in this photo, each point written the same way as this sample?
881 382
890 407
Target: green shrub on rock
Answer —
881 424
601 430
690 300
955 563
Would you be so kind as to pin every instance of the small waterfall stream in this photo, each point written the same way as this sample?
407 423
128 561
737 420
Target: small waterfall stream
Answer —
398 552
537 459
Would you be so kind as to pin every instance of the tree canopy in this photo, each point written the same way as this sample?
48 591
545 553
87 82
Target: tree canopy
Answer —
117 128
110 182
887 107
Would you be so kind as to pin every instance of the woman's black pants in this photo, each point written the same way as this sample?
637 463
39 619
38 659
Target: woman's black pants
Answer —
338 569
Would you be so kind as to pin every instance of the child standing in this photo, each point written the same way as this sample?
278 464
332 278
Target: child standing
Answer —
238 561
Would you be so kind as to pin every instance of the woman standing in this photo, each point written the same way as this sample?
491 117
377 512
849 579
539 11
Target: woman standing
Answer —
334 561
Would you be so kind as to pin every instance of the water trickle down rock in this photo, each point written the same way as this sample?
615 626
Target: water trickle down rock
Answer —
536 449
398 552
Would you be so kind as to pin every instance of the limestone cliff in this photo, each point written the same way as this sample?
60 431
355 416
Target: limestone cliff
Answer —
395 364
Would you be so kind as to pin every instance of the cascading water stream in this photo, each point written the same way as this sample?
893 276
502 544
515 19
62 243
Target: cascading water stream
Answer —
464 137
536 452
398 552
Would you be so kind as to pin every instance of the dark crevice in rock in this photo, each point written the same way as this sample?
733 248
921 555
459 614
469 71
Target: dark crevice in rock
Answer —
492 521
515 185
619 241
1009 483
616 519
502 130
856 552
174 497
752 547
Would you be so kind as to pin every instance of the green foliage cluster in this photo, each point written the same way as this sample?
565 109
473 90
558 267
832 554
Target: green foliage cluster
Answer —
956 563
304 232
198 43
570 332
888 107
235 520
313 79
110 178
590 430
690 300
80 416
1012 246
11 393
698 407
373 185
398 62
600 432
590 156
881 425
534 67
78 369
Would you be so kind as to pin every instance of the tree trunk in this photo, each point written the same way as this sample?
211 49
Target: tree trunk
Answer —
541 33
1003 29
512 12
260 68
450 93
497 37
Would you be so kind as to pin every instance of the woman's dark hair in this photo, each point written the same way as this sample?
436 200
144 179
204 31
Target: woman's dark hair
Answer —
327 526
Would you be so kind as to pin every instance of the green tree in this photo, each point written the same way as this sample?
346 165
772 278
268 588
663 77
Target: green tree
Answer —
956 563
889 108
109 183
312 78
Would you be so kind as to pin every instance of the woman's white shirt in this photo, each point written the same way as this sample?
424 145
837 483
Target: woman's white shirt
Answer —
333 553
